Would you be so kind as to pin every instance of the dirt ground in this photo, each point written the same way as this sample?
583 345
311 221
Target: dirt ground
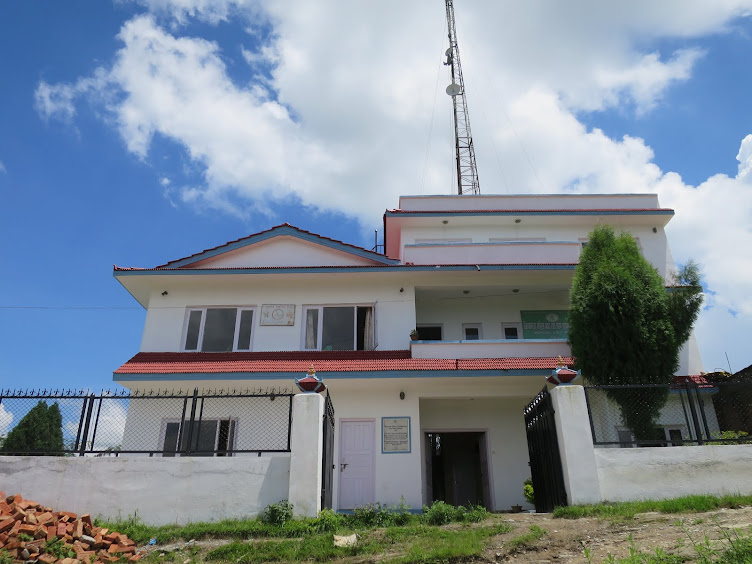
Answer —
565 540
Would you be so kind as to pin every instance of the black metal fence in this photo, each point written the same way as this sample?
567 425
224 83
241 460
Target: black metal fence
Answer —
543 450
689 413
162 423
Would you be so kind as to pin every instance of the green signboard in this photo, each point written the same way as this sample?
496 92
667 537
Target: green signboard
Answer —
545 324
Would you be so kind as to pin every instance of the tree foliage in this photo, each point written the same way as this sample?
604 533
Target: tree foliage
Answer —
40 431
626 327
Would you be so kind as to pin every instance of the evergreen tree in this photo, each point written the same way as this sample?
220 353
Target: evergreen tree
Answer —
40 431
626 327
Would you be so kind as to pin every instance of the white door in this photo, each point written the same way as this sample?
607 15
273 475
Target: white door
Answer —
356 457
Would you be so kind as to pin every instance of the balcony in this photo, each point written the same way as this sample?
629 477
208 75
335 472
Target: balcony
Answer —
517 252
502 348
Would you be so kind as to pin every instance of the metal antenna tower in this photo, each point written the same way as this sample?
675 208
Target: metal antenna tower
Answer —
467 172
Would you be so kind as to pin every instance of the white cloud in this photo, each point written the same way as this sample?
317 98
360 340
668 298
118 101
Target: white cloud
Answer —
6 418
2 168
339 100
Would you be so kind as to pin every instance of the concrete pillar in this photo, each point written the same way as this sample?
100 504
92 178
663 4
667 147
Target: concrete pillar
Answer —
576 445
307 449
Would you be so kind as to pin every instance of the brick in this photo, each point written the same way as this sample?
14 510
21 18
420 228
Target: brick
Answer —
71 516
60 529
6 525
46 558
44 517
16 526
28 529
78 529
86 518
118 549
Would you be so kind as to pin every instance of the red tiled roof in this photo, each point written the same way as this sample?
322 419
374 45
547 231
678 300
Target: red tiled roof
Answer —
694 379
323 361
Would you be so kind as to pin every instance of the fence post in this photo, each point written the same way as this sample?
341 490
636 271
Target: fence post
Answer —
576 444
189 438
693 412
307 442
90 401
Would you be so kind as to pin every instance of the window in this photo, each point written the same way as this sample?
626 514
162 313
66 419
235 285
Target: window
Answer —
472 331
430 332
218 329
339 328
511 330
210 437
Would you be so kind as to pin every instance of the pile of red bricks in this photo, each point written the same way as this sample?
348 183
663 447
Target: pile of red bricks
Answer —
27 528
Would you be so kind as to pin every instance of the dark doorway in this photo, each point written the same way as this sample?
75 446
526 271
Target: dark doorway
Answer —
457 468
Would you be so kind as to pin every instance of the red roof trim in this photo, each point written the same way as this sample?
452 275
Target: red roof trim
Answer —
323 361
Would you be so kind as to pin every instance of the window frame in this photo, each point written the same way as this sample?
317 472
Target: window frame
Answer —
202 326
511 325
466 326
231 439
320 324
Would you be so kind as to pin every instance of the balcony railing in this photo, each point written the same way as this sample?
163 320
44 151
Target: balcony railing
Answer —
503 348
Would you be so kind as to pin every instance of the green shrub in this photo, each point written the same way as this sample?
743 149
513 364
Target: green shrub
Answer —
439 513
527 491
372 515
730 438
327 522
277 513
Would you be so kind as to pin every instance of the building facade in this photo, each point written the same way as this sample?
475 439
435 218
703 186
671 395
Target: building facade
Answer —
483 279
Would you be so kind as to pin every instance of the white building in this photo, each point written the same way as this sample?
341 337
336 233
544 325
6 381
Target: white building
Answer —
484 279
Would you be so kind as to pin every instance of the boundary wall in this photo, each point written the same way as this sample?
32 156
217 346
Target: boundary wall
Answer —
592 475
162 491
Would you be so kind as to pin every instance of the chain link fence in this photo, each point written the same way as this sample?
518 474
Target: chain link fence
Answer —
670 415
162 423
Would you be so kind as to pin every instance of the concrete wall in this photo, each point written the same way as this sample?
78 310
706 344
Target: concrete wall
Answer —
159 490
623 474
663 473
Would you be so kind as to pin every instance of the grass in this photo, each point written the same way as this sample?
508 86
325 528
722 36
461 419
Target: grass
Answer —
407 544
627 510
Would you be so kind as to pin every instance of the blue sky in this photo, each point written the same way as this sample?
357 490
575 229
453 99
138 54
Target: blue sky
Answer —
136 132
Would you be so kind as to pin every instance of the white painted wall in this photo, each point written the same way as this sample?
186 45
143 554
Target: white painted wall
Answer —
160 491
394 310
664 473
490 311
654 246
402 475
282 251
490 349
493 253
503 422
528 202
